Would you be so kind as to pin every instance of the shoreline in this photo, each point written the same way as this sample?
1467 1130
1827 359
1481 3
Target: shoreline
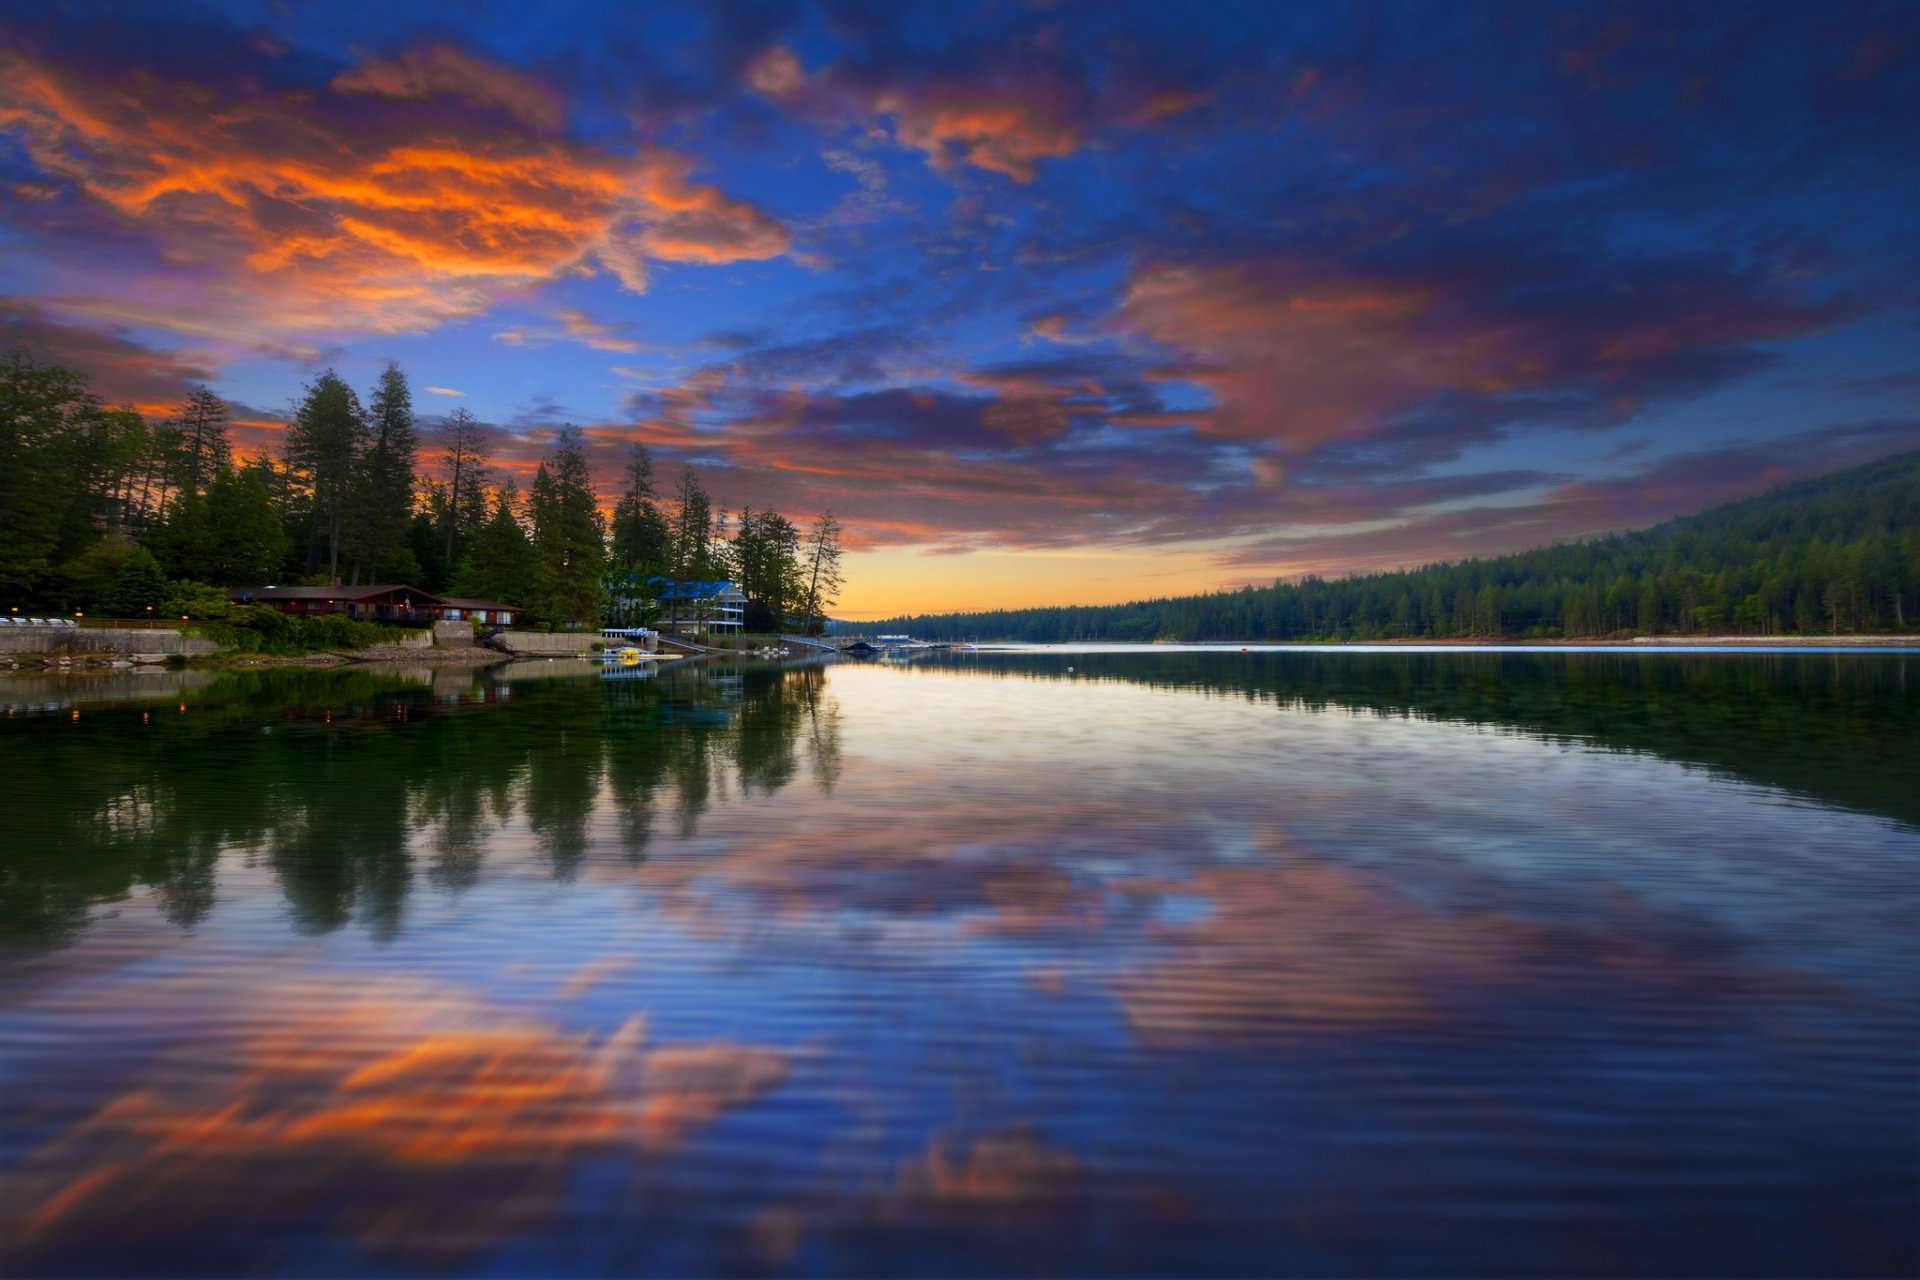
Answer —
1635 642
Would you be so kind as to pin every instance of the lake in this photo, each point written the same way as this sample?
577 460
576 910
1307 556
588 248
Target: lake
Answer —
1072 962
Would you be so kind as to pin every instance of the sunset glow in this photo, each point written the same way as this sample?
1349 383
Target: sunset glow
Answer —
1060 304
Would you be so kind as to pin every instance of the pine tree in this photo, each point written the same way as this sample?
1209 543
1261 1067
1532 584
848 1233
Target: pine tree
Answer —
140 585
690 555
503 565
821 561
463 458
640 533
248 540
383 498
45 414
765 554
183 538
323 448
204 449
569 535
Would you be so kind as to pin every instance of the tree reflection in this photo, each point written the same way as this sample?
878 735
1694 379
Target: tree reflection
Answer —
348 784
1837 728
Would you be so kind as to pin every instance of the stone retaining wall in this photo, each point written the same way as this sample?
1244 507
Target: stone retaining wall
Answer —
555 642
108 640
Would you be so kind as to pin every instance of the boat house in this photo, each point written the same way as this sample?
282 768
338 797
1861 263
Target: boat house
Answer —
684 606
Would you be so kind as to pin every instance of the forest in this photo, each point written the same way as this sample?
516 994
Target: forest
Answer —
1835 555
109 512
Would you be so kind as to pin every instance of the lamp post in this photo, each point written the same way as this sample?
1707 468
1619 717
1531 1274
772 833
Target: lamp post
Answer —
149 617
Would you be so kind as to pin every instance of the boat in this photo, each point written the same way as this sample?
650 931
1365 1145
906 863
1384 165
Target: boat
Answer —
627 656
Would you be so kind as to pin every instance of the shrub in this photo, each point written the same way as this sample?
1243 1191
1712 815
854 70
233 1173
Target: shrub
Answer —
197 600
259 629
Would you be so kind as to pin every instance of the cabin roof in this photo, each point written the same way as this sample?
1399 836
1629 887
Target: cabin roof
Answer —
334 593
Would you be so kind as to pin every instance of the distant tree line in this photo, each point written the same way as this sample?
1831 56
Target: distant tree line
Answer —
1835 555
104 509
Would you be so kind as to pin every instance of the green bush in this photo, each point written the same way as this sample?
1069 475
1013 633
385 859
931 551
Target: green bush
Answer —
259 629
197 600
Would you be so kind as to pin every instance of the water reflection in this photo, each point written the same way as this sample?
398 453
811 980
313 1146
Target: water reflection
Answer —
341 781
1839 728
357 1107
1174 965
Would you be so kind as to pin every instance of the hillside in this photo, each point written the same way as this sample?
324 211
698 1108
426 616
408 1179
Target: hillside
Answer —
1836 554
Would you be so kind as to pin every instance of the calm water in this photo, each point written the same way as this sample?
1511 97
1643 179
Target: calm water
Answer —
1168 963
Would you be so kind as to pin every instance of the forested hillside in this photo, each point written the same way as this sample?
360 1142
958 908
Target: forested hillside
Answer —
1838 554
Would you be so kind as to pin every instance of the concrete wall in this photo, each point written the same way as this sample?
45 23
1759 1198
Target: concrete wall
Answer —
556 642
109 640
452 635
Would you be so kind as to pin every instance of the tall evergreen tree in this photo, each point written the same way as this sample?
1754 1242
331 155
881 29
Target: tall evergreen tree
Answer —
47 419
201 427
249 542
502 565
569 535
383 497
691 553
183 538
323 447
640 532
766 564
463 462
820 561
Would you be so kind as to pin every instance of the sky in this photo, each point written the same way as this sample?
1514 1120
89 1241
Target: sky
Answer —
1048 302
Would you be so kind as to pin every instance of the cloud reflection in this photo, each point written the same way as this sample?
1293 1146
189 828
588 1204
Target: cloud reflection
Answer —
420 1088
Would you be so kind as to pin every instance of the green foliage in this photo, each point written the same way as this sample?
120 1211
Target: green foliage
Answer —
138 587
639 530
820 571
324 444
88 574
459 507
50 425
569 537
1837 555
381 502
262 629
627 596
503 565
766 565
424 541
201 427
197 601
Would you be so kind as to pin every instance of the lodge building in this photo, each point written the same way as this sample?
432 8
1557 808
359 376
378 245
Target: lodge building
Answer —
391 602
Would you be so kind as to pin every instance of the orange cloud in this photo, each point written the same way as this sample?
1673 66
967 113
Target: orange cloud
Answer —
585 329
1001 135
443 69
1003 120
1288 358
301 219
